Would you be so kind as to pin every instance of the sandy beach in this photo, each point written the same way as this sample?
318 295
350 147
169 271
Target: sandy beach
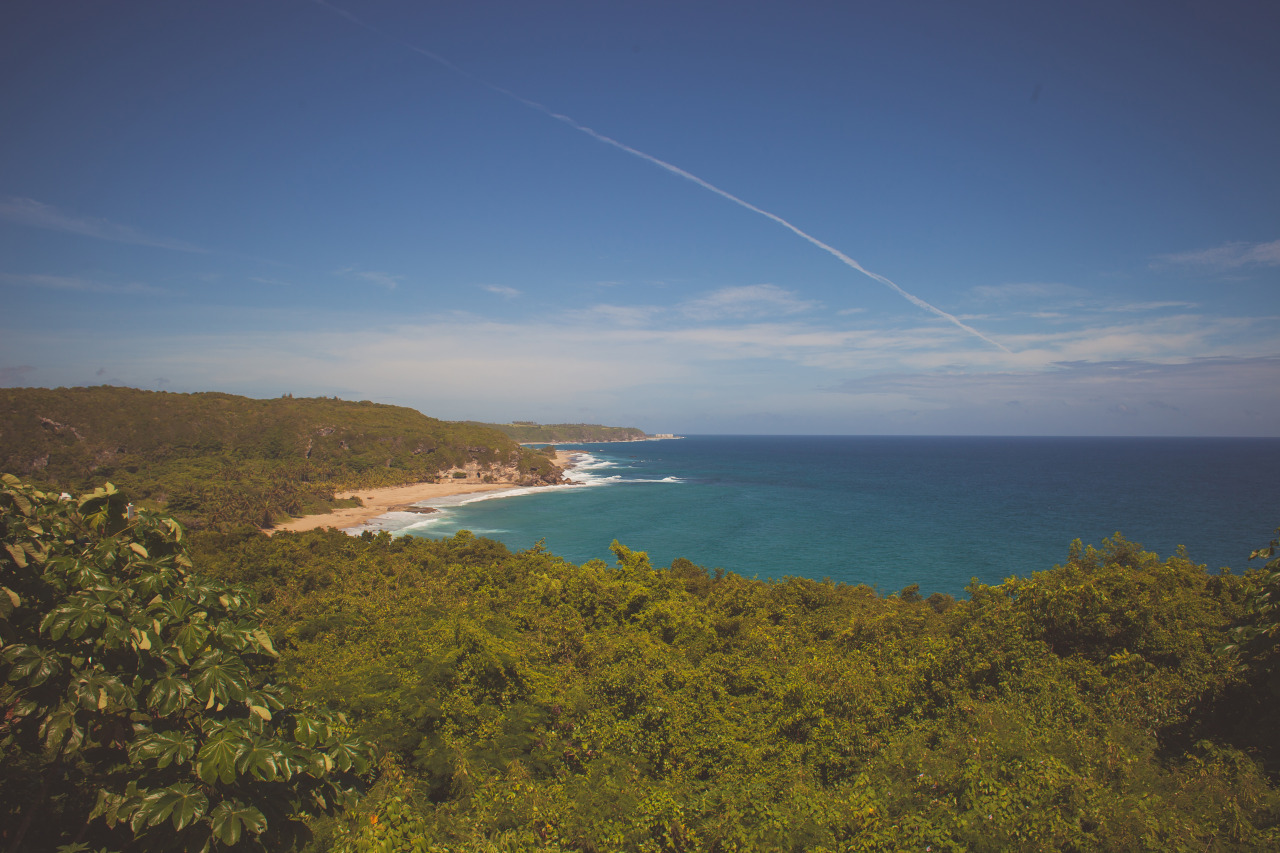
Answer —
381 501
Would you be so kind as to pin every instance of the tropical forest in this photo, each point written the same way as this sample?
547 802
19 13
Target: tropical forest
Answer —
177 676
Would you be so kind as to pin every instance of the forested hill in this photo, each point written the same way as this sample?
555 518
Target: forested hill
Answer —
214 458
529 432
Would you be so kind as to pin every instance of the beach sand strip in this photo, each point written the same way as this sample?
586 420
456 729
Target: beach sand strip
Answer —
381 501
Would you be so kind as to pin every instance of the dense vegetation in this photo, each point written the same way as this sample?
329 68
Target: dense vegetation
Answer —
529 703
529 432
220 460
519 701
228 691
139 707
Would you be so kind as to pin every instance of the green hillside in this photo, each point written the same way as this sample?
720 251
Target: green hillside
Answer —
528 432
220 459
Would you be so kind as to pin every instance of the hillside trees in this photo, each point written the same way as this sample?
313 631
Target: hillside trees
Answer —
1260 635
223 461
1250 715
532 703
525 702
139 705
527 431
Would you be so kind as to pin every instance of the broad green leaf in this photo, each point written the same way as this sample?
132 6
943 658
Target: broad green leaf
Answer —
217 758
22 502
32 664
263 638
310 731
182 803
191 637
220 677
230 817
169 694
60 730
164 748
14 601
190 807
16 554
258 761
350 755
97 690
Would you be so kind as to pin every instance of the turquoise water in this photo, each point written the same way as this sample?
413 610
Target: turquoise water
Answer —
888 511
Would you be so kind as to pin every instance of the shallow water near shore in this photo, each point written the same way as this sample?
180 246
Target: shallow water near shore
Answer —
888 511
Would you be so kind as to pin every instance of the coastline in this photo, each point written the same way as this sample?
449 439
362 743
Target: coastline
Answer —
602 441
378 502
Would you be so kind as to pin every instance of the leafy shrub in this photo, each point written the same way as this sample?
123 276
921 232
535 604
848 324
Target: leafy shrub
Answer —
140 710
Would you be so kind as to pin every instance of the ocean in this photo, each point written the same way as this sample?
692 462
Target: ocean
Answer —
887 511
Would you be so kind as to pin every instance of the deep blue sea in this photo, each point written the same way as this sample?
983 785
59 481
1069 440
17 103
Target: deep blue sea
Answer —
888 511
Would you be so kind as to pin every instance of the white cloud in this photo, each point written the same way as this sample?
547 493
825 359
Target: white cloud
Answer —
1135 307
1227 257
1027 290
752 300
26 211
1172 338
1141 383
614 315
614 360
504 292
1203 396
727 303
80 285
382 279
1065 302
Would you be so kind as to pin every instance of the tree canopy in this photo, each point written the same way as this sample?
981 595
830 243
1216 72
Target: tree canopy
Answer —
531 703
1119 701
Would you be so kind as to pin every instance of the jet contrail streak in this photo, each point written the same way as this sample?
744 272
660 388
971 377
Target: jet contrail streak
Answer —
675 170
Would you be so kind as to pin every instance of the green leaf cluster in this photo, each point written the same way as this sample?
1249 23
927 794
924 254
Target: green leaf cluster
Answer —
140 706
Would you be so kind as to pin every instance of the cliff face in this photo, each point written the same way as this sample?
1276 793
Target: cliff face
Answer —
514 471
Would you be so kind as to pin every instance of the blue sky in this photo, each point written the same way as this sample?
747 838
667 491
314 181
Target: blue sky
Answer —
1077 206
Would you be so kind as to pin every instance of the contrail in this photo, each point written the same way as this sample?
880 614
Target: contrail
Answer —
675 170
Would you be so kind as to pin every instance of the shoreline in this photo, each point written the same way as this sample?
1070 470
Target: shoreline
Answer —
380 501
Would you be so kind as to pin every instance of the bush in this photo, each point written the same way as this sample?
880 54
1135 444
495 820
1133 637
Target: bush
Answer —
140 710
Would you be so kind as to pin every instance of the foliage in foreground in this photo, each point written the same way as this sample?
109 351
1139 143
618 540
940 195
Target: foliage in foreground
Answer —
529 703
523 702
139 706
